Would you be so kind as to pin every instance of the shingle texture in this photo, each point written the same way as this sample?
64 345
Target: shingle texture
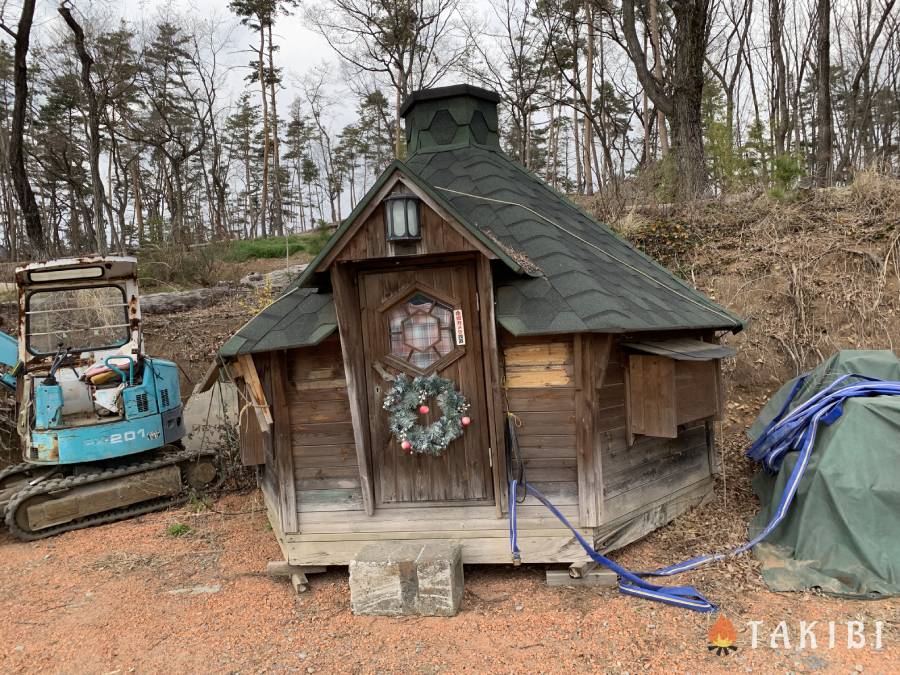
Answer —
300 317
588 278
582 277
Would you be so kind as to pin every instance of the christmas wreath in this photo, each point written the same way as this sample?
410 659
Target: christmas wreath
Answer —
408 397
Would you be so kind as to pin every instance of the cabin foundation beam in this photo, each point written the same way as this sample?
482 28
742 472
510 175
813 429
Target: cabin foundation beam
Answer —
594 577
296 573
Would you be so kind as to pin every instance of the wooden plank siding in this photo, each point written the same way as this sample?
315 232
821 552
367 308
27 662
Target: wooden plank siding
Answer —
438 237
643 485
350 329
647 470
540 387
592 354
253 440
325 465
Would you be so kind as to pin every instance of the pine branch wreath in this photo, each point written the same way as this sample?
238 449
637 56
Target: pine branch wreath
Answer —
406 400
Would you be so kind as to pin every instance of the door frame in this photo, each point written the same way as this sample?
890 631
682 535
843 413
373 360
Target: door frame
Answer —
344 283
371 367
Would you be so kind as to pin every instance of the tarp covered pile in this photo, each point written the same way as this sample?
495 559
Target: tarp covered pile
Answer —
842 532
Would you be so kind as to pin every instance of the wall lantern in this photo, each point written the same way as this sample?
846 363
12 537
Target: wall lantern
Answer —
401 212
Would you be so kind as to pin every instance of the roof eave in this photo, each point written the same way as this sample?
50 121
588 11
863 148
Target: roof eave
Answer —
307 277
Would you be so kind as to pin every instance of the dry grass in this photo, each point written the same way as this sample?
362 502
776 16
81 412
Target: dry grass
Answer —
810 276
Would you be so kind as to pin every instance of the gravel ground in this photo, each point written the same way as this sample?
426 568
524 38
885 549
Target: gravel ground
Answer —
130 597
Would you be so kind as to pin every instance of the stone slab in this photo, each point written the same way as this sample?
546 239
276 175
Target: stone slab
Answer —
394 579
383 579
440 579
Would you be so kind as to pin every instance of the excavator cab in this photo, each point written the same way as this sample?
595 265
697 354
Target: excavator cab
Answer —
100 421
88 391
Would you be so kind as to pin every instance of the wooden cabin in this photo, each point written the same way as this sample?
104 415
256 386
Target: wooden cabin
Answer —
459 262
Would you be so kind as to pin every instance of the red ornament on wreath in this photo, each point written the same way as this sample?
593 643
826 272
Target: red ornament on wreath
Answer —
424 409
466 421
406 445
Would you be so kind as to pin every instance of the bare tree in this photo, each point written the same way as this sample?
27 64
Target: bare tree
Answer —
410 43
779 118
87 62
682 105
824 115
34 227
512 62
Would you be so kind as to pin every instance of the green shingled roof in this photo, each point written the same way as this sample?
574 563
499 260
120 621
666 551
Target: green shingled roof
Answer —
567 272
300 317
589 279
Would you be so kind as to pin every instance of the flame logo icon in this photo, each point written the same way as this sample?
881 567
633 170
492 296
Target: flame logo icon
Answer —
722 637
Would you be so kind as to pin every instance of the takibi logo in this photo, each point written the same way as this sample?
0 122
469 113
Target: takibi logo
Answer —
722 636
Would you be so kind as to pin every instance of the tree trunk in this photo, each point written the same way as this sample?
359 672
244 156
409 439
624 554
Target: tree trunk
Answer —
687 88
658 74
824 120
261 73
34 228
588 139
276 163
683 105
780 121
87 63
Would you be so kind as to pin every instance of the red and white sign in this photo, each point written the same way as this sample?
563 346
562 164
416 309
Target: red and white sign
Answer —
460 327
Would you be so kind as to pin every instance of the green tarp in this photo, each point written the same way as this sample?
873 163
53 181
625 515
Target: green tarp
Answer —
842 533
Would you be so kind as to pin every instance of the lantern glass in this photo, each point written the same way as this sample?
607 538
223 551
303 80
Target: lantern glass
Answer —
412 218
402 215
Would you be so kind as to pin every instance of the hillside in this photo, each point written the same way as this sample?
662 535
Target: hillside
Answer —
811 275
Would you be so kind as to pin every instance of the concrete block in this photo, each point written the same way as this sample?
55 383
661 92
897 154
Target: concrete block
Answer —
440 579
394 579
383 579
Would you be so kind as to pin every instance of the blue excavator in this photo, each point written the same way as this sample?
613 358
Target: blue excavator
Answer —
100 423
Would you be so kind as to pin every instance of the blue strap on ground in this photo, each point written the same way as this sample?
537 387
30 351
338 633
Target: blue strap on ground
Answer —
794 431
629 582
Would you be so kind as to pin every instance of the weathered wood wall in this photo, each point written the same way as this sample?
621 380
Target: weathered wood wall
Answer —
540 389
370 241
539 383
253 441
652 467
325 465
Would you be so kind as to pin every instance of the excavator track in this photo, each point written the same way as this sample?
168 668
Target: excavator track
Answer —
50 486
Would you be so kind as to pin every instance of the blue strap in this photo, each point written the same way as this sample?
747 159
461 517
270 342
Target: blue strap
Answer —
630 583
513 530
794 431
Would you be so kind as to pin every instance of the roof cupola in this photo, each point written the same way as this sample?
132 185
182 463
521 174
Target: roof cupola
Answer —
444 118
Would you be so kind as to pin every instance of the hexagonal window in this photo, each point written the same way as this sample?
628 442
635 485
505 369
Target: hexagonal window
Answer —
421 331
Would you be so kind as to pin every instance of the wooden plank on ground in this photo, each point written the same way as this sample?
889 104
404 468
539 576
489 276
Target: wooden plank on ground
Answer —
597 577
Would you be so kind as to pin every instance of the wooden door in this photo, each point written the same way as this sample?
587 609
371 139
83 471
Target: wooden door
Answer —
409 326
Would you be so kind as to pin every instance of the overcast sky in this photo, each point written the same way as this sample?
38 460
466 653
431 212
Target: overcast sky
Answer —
300 49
